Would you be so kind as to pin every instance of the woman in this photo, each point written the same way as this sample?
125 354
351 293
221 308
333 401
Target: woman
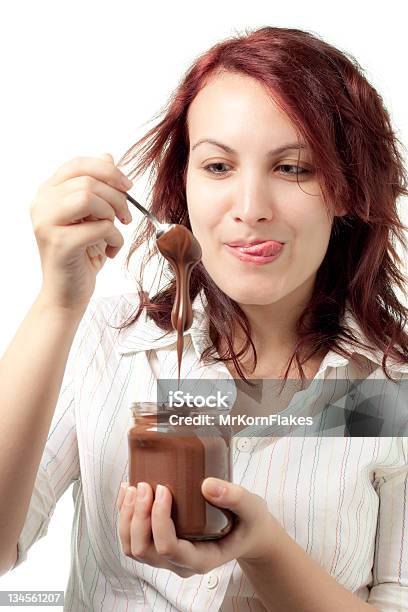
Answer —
273 136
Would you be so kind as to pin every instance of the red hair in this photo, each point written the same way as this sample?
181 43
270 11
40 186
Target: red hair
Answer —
359 166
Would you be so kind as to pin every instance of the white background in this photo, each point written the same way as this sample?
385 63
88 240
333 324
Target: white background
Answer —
82 78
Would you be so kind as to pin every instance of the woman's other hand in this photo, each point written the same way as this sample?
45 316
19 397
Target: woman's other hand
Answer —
148 535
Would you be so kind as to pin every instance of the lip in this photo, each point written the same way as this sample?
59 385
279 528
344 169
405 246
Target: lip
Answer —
264 248
258 260
248 243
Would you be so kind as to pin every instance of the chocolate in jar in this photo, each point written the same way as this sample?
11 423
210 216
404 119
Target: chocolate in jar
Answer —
181 457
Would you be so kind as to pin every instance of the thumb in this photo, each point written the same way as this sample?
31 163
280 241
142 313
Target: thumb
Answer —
225 494
106 156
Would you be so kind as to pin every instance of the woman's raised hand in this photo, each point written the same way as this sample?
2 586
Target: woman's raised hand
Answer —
73 217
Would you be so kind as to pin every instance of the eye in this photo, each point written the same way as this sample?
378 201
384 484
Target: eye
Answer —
210 168
293 170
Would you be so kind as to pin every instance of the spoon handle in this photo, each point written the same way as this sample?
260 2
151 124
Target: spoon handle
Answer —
147 213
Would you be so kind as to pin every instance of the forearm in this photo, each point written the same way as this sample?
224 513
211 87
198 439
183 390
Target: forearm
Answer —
291 580
31 373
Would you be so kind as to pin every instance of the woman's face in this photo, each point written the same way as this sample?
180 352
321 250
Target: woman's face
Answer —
249 193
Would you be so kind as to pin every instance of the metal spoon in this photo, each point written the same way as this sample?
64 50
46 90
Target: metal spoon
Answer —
161 228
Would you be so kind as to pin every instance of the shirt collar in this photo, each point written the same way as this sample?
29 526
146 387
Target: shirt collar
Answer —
145 335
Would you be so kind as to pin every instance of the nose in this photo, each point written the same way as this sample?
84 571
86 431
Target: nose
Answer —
252 203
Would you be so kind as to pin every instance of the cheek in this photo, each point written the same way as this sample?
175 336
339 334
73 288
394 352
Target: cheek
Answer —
204 212
203 222
207 201
311 235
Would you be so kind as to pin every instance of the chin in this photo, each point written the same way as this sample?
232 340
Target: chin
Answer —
254 301
250 296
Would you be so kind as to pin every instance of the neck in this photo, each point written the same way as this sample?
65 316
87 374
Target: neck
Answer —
273 326
273 332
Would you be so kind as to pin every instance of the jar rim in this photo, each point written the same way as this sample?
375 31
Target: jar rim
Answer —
157 408
148 405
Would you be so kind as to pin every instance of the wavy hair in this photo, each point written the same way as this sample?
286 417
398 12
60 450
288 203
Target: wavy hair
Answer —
359 166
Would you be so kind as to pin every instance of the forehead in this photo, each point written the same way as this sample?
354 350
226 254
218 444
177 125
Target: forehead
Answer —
236 103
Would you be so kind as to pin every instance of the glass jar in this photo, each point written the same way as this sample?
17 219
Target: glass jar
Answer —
164 450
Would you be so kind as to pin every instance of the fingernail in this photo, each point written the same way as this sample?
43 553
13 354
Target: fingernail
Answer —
130 495
159 493
214 489
126 183
141 490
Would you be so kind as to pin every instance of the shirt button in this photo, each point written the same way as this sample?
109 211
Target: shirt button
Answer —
244 445
212 581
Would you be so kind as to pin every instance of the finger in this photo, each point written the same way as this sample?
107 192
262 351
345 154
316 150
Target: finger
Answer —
121 495
246 505
83 235
100 168
107 156
201 557
82 192
164 533
81 206
125 518
163 529
140 528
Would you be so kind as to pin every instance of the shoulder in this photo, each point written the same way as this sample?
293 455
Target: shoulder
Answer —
363 348
112 309
103 317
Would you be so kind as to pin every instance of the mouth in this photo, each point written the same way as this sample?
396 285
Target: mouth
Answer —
260 253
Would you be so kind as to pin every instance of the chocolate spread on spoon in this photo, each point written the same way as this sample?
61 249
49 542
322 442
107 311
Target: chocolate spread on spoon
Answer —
183 251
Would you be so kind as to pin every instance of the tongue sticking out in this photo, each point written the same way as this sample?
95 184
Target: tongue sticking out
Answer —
263 249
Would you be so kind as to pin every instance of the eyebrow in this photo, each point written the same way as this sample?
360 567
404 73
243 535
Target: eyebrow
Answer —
291 146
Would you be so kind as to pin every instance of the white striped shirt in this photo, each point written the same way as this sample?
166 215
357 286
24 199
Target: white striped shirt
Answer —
343 499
